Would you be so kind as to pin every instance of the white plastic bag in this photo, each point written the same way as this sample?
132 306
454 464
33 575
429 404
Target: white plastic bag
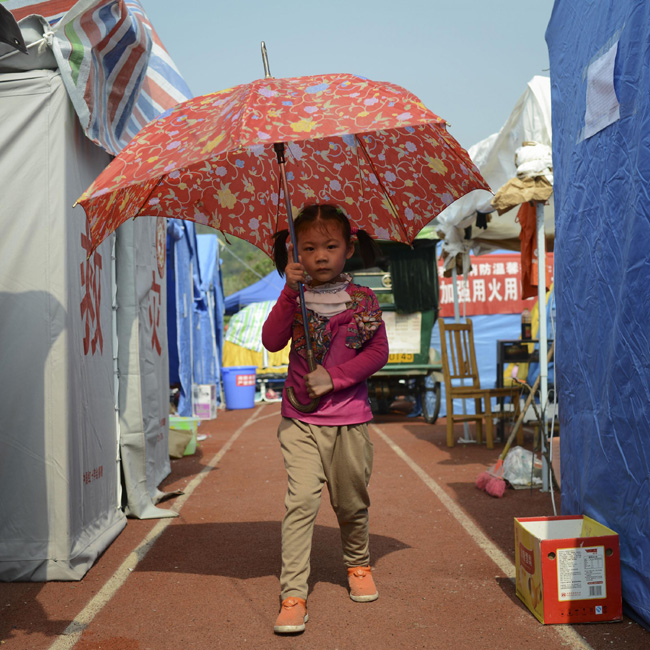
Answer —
517 468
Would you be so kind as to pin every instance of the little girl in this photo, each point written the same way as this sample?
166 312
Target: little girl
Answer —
331 444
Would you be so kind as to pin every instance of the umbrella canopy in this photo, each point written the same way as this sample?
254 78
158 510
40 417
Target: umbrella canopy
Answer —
371 147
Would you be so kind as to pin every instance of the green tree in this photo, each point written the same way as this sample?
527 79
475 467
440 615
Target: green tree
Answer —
242 264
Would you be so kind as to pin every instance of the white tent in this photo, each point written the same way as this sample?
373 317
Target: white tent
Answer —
529 121
465 227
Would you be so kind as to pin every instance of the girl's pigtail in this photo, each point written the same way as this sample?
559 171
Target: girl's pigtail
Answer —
280 254
368 249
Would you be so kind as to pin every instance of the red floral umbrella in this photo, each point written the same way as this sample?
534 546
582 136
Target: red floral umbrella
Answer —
371 147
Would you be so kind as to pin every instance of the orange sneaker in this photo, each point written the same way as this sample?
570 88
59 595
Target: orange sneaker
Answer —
362 586
292 617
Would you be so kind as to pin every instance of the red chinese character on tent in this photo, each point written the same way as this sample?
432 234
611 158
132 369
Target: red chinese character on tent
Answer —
154 313
92 298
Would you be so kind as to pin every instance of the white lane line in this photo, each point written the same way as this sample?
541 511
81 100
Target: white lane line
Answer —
274 414
566 633
75 629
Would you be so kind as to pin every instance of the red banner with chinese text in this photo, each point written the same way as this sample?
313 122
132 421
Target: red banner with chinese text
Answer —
493 286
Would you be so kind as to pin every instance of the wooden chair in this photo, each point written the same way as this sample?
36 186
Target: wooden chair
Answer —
459 363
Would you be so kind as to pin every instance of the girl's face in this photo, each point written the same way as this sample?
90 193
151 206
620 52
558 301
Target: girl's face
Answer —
323 251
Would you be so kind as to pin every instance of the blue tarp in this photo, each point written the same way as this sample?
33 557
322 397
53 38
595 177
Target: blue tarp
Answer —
208 312
268 288
194 310
183 288
602 271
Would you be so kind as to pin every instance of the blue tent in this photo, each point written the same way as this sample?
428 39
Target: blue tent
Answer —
600 88
208 327
183 290
268 288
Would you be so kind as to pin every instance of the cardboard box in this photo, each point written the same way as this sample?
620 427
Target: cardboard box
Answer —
568 569
182 436
204 401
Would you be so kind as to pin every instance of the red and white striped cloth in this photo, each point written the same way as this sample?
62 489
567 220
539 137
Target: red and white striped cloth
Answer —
115 68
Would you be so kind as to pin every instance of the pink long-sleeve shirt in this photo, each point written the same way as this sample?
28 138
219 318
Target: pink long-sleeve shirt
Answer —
349 367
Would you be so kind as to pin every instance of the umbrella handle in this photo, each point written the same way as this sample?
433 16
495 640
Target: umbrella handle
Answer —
291 396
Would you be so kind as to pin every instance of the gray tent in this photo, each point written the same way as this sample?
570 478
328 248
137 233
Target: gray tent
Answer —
143 364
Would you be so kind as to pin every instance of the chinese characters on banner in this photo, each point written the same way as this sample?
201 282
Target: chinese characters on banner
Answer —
91 286
493 286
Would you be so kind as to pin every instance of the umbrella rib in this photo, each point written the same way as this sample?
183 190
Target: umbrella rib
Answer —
240 121
356 149
383 188
139 210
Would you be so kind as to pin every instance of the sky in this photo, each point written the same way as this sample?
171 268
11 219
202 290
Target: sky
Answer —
467 60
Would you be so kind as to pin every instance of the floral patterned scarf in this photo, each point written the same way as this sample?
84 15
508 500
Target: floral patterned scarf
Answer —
361 328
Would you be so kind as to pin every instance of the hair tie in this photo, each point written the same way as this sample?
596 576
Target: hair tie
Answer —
353 230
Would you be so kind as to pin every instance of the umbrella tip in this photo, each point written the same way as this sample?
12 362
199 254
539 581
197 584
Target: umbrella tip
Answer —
265 61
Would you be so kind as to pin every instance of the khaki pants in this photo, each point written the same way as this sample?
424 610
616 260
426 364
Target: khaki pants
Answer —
313 455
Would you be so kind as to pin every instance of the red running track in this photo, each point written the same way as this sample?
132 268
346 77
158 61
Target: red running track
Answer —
442 553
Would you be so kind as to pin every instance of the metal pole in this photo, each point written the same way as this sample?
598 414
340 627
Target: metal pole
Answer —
279 148
311 357
454 284
265 62
542 335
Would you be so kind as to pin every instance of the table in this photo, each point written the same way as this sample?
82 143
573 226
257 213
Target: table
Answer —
515 351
